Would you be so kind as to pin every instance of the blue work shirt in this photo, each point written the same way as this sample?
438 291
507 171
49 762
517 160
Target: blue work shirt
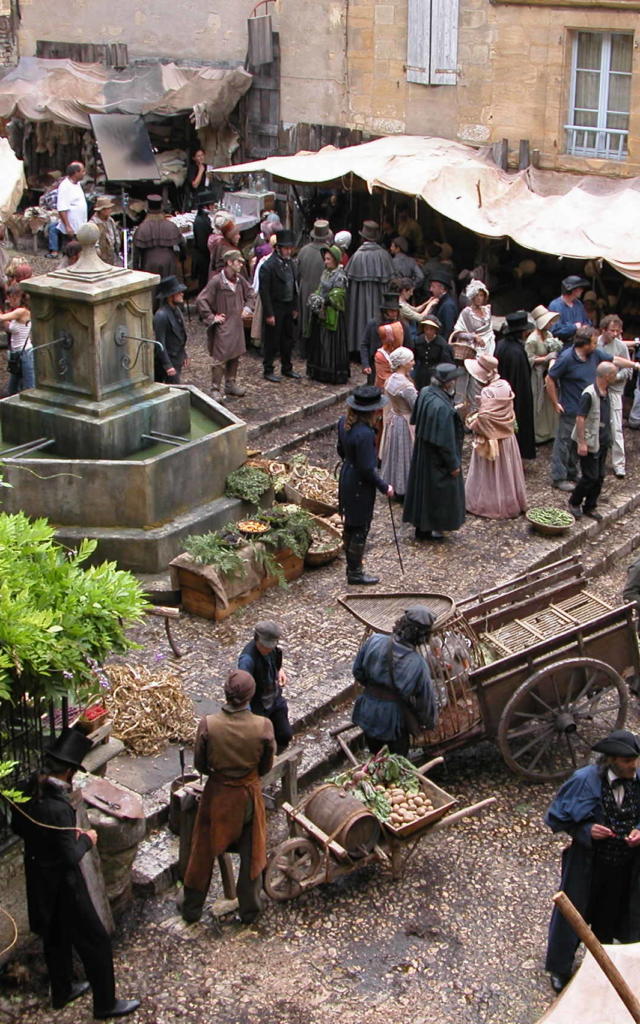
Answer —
573 375
385 719
570 316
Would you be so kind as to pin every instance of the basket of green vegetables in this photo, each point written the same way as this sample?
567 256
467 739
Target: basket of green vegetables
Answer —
549 520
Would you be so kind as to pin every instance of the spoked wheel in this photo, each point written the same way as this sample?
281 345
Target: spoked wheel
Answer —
291 863
548 727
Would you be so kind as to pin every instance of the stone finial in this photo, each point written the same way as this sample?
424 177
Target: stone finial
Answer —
89 266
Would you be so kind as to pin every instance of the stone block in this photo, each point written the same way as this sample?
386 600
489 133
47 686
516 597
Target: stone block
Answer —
384 14
361 40
156 864
473 19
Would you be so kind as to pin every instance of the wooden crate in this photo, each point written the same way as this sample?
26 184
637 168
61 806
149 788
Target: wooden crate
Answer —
198 598
442 802
291 564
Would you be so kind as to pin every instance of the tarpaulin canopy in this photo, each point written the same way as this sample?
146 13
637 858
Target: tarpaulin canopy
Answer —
12 181
42 89
588 217
591 998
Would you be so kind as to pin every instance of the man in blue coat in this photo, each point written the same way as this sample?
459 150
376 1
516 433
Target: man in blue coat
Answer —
599 807
398 697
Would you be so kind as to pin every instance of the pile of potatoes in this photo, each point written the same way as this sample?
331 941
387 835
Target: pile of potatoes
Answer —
405 807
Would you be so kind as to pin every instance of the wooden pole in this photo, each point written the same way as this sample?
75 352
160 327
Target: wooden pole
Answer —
584 933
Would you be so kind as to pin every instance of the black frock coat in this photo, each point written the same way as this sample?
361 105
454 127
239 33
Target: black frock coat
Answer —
513 366
359 477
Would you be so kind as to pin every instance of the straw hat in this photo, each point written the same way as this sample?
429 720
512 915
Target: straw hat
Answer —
103 203
483 368
543 317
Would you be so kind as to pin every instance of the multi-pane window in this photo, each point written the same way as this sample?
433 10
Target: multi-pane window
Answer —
600 94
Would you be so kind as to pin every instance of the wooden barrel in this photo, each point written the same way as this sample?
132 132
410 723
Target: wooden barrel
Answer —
343 818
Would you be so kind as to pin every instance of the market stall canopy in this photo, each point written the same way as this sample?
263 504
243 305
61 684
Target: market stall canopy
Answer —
589 217
66 92
12 181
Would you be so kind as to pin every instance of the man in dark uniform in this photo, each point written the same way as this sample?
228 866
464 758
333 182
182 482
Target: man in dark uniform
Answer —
60 908
170 330
398 697
599 807
435 498
262 658
233 748
278 294
201 230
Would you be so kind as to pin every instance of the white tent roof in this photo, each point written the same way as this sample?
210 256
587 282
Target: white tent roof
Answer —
588 217
12 181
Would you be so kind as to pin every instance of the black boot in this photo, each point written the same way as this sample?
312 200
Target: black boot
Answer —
356 576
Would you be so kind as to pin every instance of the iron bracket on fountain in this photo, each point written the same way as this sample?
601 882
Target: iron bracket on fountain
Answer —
121 338
66 341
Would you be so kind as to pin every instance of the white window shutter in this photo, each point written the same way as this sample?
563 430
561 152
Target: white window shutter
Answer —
418 40
444 42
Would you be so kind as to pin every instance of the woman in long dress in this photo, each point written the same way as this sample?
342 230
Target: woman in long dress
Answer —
542 349
473 327
495 486
328 348
397 433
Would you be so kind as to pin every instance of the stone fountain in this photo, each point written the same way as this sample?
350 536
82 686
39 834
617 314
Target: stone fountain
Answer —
100 448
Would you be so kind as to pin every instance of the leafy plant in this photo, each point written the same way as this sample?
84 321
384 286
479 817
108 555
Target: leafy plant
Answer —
59 619
217 549
289 527
248 483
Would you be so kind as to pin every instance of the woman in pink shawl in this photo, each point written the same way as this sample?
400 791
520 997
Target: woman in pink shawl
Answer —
495 486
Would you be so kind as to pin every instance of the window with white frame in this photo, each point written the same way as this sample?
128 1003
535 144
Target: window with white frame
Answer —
600 94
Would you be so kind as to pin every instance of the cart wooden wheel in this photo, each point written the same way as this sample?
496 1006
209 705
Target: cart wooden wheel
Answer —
551 722
291 863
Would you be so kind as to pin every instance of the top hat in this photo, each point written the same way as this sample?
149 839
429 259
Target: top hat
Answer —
103 203
443 276
154 202
366 398
516 323
445 372
169 286
542 317
205 199
321 232
70 748
370 231
284 237
390 301
574 281
619 743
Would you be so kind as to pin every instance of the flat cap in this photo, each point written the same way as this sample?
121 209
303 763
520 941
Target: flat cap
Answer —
420 614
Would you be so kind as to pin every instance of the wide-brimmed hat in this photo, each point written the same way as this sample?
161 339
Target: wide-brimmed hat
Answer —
205 199
239 688
619 743
334 250
431 319
169 286
321 232
445 372
442 276
370 231
515 323
284 237
574 281
366 398
103 203
390 300
154 202
542 317
483 368
70 749
267 632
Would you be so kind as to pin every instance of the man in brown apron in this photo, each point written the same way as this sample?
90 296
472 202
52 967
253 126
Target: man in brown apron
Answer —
234 748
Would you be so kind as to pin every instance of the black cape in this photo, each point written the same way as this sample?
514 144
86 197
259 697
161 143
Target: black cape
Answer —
513 365
435 499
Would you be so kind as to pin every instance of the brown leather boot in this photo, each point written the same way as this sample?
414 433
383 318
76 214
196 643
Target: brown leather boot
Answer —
217 373
231 386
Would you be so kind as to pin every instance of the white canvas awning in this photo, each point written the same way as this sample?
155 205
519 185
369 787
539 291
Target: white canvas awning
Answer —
589 217
12 183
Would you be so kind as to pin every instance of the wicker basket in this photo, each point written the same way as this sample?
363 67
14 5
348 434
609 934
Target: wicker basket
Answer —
546 529
462 351
318 508
324 557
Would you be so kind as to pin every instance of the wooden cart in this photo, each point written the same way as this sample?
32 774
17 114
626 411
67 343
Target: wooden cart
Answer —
310 857
539 664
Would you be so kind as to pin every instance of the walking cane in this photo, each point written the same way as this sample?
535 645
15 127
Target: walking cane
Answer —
395 535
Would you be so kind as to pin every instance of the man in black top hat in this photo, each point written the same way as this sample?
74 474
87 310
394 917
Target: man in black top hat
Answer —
170 330
202 228
60 908
571 308
442 303
514 367
434 501
278 294
368 273
389 314
599 807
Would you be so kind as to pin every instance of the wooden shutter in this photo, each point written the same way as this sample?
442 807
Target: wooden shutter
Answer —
432 42
418 41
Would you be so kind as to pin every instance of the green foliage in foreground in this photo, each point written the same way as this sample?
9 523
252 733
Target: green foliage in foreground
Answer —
58 619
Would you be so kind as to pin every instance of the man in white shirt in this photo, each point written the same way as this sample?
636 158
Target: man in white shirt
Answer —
72 204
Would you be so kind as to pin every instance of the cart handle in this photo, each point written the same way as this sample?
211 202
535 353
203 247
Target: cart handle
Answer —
346 749
465 812
424 768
